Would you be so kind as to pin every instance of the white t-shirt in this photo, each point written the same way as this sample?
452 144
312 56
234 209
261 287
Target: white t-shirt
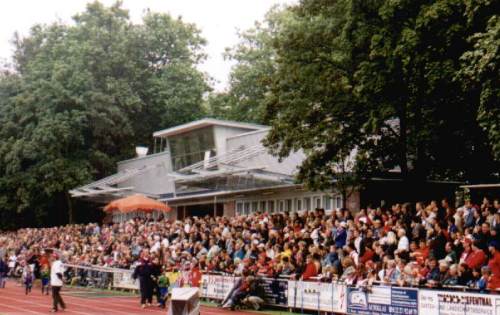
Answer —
12 261
403 244
56 268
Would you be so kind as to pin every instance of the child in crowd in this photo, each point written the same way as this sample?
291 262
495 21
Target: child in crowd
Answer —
27 278
163 285
45 275
482 283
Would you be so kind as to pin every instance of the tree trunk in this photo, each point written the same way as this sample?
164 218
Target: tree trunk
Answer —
70 208
403 139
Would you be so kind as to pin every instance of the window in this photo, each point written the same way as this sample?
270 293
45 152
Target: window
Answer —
317 202
263 207
288 205
338 201
189 148
327 202
239 208
299 205
307 203
281 204
255 206
247 208
270 206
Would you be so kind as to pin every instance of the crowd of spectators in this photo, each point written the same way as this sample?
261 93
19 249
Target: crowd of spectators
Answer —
433 245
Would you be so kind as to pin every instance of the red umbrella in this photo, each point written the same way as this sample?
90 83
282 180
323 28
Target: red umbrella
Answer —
136 203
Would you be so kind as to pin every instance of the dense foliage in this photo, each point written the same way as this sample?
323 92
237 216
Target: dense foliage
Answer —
365 87
81 96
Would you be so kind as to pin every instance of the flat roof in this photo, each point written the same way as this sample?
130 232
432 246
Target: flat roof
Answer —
205 122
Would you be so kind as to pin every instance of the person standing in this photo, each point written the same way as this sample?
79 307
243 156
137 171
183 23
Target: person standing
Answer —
144 272
56 282
28 278
45 276
3 272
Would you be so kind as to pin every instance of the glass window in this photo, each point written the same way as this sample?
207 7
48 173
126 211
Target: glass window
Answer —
239 208
255 206
317 202
327 202
338 201
288 205
299 205
189 148
263 207
281 206
247 208
270 206
307 203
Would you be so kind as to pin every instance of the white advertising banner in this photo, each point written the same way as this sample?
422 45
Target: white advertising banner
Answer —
124 280
457 303
327 297
216 287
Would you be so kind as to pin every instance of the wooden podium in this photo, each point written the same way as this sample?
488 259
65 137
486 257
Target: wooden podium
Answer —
184 301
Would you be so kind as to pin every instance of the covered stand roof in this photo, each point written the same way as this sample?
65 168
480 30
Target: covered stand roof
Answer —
106 188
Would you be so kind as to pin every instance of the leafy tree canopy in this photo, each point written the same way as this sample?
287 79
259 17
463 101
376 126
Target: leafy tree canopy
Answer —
381 83
81 96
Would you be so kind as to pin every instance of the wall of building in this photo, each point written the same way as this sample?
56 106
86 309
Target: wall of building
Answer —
154 180
221 133
287 167
292 200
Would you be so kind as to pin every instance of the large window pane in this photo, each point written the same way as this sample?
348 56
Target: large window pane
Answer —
190 148
307 203
263 207
270 206
255 206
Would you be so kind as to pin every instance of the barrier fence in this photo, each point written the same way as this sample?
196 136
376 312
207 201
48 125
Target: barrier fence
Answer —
322 297
339 298
100 277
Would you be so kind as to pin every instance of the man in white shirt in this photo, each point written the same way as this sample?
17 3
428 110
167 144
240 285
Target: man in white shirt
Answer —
56 276
403 244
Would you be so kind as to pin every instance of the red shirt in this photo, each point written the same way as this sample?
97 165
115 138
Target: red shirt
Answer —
195 277
494 265
310 271
368 255
475 259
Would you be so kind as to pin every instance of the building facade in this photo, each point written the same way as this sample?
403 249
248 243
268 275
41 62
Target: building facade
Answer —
213 167
217 167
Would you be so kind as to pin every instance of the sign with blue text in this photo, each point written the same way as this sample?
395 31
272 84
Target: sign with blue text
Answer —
382 300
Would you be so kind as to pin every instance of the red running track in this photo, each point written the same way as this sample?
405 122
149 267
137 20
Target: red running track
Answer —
13 301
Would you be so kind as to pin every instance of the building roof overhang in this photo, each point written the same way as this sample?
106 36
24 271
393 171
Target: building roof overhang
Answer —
206 122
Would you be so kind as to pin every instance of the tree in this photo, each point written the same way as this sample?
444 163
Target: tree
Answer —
481 67
250 77
374 81
83 95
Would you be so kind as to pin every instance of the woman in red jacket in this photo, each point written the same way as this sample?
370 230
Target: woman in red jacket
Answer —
494 265
311 270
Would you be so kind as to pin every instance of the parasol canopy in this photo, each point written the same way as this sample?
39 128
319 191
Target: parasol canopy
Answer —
136 203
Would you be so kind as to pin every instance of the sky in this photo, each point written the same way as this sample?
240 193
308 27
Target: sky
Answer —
219 21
